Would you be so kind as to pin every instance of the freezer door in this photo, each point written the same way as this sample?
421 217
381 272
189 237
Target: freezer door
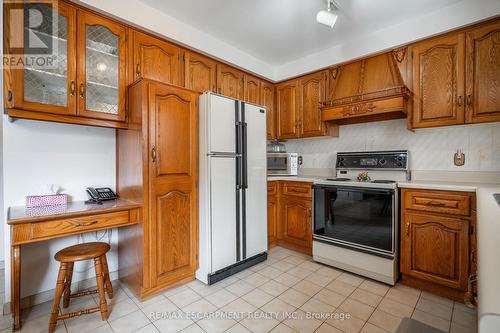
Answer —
255 184
222 124
223 211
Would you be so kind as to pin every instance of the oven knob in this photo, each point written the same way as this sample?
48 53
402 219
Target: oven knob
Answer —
400 164
399 158
382 161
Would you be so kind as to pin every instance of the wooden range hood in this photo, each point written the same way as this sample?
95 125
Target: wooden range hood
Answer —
371 89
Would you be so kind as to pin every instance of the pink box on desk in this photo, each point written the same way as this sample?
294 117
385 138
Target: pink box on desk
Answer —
46 200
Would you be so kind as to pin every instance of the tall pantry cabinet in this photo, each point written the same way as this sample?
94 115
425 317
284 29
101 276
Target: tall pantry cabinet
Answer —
157 161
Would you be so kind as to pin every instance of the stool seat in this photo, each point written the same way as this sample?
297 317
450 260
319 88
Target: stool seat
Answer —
84 251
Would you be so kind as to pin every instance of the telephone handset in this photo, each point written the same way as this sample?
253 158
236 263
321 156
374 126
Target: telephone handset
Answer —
100 194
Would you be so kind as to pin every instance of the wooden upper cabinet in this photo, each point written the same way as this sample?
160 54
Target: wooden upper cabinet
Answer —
351 76
438 81
156 59
435 249
173 161
312 92
200 72
101 67
483 73
252 89
267 100
230 81
50 89
287 113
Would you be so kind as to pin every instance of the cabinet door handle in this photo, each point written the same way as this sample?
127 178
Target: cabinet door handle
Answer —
85 224
435 203
153 154
407 229
459 100
469 100
138 69
82 90
72 88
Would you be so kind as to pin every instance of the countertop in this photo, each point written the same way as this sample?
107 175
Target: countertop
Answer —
301 178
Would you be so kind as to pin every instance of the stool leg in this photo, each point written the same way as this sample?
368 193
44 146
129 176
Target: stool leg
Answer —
100 287
67 287
57 296
107 280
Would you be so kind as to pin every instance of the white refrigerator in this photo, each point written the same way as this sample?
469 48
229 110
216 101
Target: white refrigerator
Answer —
232 187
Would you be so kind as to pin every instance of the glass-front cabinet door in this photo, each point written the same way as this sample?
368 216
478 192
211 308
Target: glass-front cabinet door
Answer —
101 67
40 39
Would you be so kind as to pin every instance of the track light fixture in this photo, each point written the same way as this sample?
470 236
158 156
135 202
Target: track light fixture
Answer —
328 17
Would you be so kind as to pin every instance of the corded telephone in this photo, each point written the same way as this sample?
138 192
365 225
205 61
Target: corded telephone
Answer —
100 194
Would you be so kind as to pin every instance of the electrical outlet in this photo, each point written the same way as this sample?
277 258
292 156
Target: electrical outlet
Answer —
459 158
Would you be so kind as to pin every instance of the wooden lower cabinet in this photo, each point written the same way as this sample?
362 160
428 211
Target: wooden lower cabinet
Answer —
158 167
290 215
436 247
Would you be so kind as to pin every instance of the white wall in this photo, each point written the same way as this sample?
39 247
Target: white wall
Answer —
37 153
430 149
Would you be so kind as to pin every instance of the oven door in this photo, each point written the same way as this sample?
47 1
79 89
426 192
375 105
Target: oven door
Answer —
361 219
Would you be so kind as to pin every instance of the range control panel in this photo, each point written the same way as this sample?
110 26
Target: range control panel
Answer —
394 160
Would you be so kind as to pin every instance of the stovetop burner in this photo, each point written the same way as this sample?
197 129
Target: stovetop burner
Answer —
339 179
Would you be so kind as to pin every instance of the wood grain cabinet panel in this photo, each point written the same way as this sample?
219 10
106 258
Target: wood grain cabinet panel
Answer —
267 100
300 189
200 72
454 203
230 81
295 222
312 93
156 59
438 81
252 89
483 73
436 249
272 213
287 113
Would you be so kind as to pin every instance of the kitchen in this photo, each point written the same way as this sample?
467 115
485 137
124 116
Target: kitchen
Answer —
380 168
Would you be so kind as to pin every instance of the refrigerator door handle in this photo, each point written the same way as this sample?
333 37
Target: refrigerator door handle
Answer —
244 156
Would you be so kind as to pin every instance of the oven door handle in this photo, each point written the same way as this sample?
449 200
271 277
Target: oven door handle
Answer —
352 189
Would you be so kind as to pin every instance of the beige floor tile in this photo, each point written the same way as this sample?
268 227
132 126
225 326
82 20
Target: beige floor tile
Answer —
238 328
351 279
176 290
283 266
320 280
270 272
227 281
316 306
384 320
279 307
194 328
307 287
435 308
172 325
279 255
374 287
366 297
239 306
436 299
282 328
395 308
273 288
310 265
370 328
184 298
6 321
31 313
41 324
294 260
431 320
348 325
129 323
329 297
203 289
154 311
302 324
257 298
294 297
329 272
407 289
403 296
259 266
221 298
150 300
256 279
216 325
464 316
260 324
199 309
121 309
287 279
243 274
240 288
341 287
146 329
357 309
301 273
83 324
107 329
325 328
457 328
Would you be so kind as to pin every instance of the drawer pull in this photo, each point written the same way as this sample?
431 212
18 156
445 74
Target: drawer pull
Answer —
298 190
85 224
435 203
407 229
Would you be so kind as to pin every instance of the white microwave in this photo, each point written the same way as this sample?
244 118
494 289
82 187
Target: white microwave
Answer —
285 164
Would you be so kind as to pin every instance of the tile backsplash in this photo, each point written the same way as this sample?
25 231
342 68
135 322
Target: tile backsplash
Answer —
430 149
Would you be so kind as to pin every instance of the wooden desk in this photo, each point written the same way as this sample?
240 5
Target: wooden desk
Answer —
30 225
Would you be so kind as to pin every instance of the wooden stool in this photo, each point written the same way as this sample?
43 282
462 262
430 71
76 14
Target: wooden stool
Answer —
67 257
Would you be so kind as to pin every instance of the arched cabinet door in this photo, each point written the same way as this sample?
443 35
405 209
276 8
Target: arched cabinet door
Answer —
312 93
173 186
101 63
230 82
200 72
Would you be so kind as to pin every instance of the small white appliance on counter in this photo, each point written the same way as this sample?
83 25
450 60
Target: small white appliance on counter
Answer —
356 221
232 187
282 164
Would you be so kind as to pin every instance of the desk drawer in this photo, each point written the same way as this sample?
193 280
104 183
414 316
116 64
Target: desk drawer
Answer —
298 189
445 202
43 230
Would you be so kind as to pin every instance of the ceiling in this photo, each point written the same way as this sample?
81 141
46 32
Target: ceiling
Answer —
281 31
